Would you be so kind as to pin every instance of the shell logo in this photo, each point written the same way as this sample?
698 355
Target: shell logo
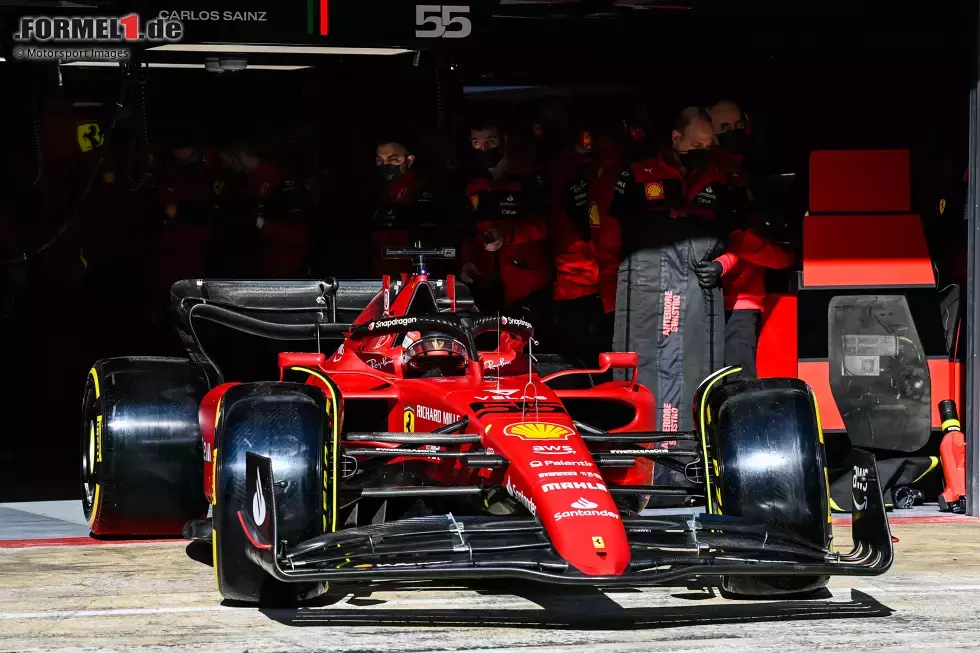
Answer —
538 431
654 190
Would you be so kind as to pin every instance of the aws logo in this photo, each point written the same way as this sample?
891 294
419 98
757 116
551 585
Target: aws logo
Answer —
538 431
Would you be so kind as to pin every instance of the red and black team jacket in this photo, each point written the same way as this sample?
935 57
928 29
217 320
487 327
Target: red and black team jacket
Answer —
575 261
404 215
605 228
516 207
652 189
748 254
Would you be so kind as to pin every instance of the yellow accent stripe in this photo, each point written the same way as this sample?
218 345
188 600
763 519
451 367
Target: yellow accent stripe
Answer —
95 507
95 379
933 461
833 505
335 439
214 477
826 476
214 556
950 422
704 432
214 518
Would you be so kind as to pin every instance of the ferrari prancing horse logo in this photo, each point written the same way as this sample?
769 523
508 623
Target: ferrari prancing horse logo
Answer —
409 420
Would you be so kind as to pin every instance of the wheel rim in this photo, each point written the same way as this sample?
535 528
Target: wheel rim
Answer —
88 446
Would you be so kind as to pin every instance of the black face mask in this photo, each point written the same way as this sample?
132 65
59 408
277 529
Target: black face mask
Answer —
735 142
488 158
694 159
389 172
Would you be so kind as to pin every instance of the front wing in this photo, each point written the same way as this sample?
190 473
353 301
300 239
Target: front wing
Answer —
664 549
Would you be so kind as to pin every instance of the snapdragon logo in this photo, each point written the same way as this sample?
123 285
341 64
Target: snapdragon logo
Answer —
516 322
398 321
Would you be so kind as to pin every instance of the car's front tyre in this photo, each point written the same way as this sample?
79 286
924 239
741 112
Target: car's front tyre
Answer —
767 465
296 426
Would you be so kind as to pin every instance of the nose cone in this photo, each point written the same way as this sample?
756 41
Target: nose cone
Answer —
584 525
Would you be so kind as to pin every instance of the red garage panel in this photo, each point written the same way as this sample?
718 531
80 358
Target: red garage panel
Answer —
869 250
859 181
776 355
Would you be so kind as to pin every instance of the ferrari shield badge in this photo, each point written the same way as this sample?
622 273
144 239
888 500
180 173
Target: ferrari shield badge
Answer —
409 419
475 201
538 431
598 543
942 206
89 136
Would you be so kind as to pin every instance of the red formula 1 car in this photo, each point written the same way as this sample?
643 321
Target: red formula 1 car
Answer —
434 444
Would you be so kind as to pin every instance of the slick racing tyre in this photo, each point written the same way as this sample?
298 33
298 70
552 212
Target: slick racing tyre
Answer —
768 465
297 427
142 469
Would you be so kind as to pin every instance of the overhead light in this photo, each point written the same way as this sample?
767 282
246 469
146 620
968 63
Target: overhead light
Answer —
243 48
2 59
198 66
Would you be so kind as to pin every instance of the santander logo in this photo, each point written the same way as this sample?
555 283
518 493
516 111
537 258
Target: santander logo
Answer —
584 504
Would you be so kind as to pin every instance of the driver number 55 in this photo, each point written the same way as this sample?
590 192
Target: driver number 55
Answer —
442 21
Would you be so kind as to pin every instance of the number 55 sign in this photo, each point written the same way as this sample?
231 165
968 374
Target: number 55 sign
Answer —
442 21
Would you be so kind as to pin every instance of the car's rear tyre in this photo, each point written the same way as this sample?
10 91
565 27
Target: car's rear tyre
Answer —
295 425
768 466
142 469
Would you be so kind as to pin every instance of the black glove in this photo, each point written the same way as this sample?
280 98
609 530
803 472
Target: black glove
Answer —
708 274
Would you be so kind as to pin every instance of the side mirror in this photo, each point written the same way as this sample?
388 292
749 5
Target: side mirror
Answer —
289 359
619 360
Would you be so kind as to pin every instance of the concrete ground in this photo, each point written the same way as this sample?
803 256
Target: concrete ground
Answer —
63 593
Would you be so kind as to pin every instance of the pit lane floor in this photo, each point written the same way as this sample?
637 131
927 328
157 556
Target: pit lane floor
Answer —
62 593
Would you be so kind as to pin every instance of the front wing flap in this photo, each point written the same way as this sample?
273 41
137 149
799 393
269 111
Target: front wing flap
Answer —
664 548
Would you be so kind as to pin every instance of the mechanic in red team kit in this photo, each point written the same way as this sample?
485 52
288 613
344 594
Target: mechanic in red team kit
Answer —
675 209
578 308
405 213
745 284
506 255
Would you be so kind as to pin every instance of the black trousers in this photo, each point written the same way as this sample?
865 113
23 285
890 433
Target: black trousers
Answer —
742 340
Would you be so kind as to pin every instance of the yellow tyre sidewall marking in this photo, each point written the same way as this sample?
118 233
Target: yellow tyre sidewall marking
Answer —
334 422
704 433
97 496
826 475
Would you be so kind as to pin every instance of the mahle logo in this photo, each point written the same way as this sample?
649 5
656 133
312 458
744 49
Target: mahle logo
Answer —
97 29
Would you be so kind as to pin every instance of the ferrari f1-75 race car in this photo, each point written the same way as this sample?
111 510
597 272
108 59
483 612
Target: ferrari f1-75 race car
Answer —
434 444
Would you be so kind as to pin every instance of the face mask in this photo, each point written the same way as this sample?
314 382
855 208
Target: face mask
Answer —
488 158
735 142
389 172
694 159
